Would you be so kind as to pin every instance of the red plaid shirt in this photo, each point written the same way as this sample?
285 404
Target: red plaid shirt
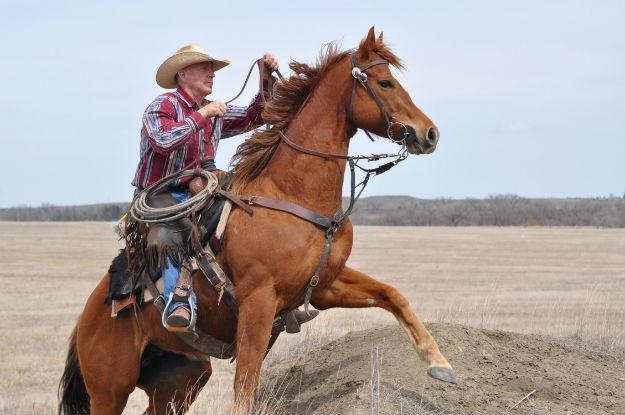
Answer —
175 135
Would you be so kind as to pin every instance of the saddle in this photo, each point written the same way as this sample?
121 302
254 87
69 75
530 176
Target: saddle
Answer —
124 290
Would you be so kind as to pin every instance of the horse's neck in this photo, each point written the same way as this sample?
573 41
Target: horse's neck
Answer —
321 125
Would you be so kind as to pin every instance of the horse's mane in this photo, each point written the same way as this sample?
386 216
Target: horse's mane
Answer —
254 153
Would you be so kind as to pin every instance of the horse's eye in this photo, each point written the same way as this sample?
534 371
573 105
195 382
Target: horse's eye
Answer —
385 84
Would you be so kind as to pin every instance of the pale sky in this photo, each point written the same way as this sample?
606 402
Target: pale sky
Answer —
529 96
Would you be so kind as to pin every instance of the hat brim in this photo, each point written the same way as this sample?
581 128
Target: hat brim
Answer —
166 73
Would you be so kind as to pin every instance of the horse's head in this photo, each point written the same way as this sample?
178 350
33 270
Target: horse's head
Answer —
381 105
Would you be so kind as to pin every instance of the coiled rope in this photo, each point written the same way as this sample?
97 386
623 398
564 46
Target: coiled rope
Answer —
141 211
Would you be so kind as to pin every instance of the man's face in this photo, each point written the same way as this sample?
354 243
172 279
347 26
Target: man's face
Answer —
197 77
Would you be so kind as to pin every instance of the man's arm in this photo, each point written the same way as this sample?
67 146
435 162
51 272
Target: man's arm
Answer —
164 132
238 120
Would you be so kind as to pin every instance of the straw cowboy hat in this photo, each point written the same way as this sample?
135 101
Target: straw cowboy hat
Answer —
183 57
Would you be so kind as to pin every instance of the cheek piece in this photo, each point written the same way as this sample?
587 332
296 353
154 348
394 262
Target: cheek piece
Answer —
359 75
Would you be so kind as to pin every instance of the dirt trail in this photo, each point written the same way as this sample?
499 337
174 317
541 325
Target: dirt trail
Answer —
497 369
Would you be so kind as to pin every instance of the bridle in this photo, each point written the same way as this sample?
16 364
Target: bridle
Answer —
359 75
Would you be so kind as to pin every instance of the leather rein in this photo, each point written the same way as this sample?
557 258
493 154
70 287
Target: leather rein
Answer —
332 224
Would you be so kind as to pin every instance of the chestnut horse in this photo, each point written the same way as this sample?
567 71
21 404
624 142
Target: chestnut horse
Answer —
270 255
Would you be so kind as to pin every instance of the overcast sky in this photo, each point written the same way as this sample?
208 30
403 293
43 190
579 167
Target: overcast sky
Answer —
529 96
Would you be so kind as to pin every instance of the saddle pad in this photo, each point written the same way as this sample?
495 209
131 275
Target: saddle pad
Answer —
120 282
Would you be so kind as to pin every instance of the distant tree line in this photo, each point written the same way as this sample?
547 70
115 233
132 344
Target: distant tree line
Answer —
496 210
82 213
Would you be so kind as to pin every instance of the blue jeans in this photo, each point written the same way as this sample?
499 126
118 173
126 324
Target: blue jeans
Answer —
171 272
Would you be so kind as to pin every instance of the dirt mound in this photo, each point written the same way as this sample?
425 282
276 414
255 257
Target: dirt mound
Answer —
377 371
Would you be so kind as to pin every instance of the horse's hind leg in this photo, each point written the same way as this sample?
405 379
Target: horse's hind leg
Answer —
109 353
353 289
172 382
108 385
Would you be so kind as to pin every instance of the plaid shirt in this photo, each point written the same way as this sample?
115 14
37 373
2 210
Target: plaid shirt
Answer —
175 135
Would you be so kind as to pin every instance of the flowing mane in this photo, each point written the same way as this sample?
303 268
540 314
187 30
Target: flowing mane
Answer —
254 153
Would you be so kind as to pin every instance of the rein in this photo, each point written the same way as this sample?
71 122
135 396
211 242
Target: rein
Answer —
261 72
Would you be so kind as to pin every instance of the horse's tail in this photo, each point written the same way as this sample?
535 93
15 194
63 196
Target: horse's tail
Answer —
73 397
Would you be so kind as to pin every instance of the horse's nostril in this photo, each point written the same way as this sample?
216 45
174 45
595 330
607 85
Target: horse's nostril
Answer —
409 134
432 135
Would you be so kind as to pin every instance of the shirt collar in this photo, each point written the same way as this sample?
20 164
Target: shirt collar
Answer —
186 98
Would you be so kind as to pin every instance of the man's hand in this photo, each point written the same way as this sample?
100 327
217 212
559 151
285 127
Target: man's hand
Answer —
214 109
270 62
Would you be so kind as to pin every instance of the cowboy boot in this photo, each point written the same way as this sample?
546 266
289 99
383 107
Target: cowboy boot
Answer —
181 316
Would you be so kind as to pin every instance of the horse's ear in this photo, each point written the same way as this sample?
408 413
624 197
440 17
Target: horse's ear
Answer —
381 37
368 44
370 40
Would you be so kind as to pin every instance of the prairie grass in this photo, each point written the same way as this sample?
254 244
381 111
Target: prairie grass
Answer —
561 282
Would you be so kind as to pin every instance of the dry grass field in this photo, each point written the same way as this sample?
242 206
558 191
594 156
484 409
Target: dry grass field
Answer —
563 282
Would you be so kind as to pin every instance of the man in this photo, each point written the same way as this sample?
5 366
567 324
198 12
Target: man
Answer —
181 129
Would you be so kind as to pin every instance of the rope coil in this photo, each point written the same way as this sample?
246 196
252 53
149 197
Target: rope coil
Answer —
141 211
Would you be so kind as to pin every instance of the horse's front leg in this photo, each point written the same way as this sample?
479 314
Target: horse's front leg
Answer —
353 289
256 314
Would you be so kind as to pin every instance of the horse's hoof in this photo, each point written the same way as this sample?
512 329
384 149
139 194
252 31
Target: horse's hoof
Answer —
444 374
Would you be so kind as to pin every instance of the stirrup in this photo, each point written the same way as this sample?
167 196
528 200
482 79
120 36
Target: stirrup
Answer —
172 329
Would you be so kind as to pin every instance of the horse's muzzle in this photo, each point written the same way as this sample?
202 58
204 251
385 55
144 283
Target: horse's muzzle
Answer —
424 145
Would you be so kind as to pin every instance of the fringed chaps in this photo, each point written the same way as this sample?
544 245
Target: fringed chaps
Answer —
151 245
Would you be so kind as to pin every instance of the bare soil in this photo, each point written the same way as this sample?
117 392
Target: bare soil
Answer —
377 371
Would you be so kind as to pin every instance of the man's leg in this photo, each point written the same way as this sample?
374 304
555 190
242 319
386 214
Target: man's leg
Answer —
163 239
179 311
